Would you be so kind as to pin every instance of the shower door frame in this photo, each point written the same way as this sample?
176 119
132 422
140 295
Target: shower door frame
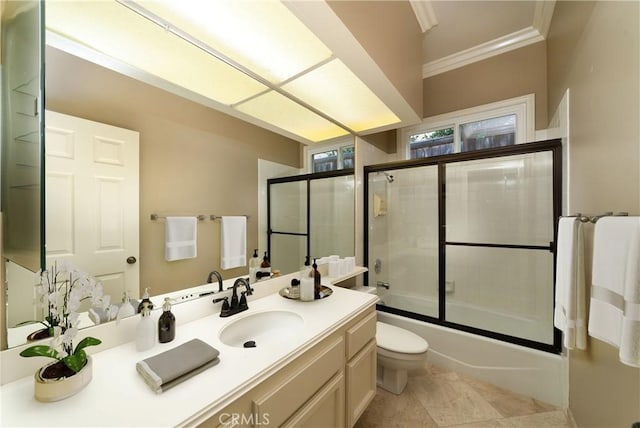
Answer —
555 147
291 179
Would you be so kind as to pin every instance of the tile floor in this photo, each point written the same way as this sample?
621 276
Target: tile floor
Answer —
437 397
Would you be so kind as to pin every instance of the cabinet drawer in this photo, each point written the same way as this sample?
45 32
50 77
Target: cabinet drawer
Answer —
360 334
286 398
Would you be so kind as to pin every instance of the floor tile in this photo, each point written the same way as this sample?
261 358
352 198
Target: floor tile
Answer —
450 401
554 419
390 410
506 402
437 397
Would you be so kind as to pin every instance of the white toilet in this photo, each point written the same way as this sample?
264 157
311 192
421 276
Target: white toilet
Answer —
399 351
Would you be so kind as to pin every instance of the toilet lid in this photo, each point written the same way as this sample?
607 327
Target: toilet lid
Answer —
397 339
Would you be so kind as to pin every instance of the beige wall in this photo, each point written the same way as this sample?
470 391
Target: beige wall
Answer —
512 74
389 32
594 50
192 160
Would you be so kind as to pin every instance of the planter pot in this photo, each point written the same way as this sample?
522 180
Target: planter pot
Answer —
43 333
62 387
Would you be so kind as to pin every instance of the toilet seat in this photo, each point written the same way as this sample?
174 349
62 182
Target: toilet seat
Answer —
399 340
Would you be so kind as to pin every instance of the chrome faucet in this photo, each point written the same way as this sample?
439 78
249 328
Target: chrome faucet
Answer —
236 305
217 275
382 284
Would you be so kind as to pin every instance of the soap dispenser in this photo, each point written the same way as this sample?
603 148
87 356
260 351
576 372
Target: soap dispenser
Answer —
166 323
145 333
265 268
317 287
126 309
306 282
254 266
145 298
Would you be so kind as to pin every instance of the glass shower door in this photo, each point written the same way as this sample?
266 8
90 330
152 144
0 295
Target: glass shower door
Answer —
499 230
403 238
288 225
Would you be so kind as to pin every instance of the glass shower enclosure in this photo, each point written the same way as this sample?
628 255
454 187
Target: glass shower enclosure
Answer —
310 215
467 240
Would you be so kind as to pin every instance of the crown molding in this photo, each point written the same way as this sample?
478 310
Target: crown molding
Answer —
516 40
543 13
425 14
542 16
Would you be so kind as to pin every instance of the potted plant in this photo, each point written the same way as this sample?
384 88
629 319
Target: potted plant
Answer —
62 288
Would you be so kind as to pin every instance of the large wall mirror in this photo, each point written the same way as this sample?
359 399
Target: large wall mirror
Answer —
191 160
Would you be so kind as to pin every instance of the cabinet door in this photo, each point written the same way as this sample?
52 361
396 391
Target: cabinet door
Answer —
361 382
324 409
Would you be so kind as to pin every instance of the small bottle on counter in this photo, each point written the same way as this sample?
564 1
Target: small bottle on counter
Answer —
265 268
166 323
317 287
254 266
306 282
145 331
145 298
294 289
126 309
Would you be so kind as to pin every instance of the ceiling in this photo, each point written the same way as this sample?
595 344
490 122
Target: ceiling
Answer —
144 39
457 33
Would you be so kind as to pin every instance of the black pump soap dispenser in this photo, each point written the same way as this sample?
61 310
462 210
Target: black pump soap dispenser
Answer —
166 323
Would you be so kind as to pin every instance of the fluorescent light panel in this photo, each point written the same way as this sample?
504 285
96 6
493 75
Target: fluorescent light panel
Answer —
262 36
335 91
286 114
110 28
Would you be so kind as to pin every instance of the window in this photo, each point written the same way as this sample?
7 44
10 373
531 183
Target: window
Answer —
492 125
484 134
333 157
431 143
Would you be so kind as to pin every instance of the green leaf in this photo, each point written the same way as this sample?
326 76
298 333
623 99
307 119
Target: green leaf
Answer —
40 351
87 341
76 361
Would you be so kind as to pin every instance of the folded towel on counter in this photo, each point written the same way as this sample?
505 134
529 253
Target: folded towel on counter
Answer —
167 369
615 294
571 304
180 238
233 242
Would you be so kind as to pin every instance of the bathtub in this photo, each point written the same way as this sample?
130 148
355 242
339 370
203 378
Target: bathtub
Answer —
537 374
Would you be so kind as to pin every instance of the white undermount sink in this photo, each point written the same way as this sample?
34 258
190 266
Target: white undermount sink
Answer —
261 328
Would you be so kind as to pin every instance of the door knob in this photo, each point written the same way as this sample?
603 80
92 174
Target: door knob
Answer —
131 260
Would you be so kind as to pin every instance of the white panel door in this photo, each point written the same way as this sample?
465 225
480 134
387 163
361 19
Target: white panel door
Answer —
91 193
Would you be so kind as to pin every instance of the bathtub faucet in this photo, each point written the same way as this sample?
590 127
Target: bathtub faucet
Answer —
382 284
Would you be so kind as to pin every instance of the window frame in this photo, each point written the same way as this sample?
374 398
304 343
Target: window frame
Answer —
523 107
314 149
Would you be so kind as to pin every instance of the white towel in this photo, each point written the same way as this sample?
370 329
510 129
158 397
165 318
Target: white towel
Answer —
571 305
615 294
233 242
180 238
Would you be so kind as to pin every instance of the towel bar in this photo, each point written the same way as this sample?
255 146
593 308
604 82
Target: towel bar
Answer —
594 218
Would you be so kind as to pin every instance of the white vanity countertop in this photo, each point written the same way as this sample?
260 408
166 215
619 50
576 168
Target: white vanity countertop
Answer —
117 395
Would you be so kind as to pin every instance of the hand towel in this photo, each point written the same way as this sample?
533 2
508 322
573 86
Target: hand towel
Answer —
615 293
180 238
167 369
570 296
630 340
233 242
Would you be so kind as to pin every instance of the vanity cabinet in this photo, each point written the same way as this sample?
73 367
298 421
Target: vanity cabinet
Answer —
328 385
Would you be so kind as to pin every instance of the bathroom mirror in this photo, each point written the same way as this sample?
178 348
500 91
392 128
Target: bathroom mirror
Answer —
188 153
